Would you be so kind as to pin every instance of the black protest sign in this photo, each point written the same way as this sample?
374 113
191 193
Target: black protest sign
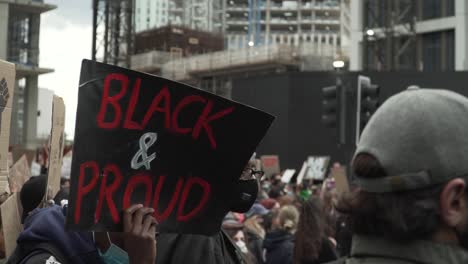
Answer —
144 139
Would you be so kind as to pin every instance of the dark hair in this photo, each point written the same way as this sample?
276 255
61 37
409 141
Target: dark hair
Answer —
402 216
268 220
310 231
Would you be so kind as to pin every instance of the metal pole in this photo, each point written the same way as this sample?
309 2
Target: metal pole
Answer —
95 14
106 30
342 91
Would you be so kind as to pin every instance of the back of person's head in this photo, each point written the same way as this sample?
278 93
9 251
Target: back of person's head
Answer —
32 194
411 169
288 218
269 219
310 231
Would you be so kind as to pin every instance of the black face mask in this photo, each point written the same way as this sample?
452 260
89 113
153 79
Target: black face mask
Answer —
244 195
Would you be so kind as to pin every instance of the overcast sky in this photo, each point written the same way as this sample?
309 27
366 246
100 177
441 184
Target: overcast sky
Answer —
65 39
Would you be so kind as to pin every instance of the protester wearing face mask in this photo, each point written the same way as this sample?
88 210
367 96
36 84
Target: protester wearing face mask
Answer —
44 239
217 248
234 230
410 204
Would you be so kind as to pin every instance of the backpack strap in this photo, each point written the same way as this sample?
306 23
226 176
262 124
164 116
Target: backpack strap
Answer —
23 254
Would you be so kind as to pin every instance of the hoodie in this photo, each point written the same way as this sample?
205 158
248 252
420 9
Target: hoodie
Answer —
47 225
279 245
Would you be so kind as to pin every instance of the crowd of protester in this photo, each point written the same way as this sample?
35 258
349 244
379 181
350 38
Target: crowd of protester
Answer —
290 223
408 204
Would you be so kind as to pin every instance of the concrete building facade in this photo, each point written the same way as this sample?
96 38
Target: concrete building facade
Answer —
19 43
429 35
204 15
292 22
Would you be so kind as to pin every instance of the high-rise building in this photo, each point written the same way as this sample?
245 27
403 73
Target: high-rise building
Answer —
204 15
19 43
395 35
152 14
293 22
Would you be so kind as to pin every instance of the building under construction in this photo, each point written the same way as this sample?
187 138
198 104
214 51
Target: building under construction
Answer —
19 43
113 28
262 37
203 15
292 22
408 35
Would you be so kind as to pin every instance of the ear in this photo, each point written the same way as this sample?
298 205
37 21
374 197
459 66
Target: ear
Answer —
453 202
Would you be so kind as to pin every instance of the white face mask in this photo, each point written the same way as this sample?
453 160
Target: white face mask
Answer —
242 246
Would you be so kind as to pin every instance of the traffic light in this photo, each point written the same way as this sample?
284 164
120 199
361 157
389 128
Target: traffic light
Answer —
367 101
330 101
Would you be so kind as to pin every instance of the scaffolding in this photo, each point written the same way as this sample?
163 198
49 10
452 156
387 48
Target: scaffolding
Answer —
230 62
391 44
113 31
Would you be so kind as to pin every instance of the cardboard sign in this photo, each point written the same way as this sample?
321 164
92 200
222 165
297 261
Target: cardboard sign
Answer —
302 172
341 180
270 164
7 88
143 139
35 169
11 223
56 147
317 167
19 174
287 175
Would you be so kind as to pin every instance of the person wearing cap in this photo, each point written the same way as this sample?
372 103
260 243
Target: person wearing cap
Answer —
44 239
409 202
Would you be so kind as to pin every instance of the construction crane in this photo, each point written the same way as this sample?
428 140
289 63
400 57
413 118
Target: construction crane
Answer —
113 31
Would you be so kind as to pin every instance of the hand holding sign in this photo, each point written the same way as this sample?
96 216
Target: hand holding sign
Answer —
141 139
140 234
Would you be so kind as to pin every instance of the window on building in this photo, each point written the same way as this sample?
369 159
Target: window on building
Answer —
432 57
450 50
338 41
431 9
450 7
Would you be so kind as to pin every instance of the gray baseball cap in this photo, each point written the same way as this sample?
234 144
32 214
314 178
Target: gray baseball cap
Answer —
420 137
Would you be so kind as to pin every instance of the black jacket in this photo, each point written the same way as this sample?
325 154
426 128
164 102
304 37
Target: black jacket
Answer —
187 248
279 245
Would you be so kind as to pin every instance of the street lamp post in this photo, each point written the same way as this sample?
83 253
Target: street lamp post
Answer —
338 65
